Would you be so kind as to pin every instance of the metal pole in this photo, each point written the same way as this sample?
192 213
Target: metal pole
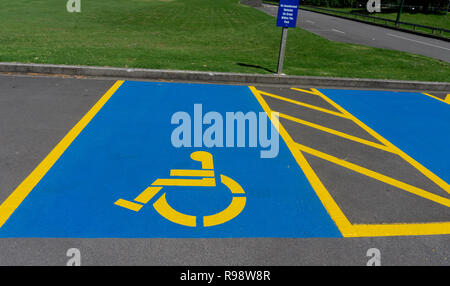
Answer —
399 13
282 49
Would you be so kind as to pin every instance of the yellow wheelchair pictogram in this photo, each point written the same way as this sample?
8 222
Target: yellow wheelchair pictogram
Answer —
207 179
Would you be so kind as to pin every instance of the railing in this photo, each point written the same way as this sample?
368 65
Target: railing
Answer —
438 32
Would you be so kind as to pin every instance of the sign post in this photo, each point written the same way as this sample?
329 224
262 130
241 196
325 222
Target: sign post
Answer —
287 18
399 13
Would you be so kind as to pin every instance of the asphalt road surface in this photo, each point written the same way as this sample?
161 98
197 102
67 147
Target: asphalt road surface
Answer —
37 112
342 30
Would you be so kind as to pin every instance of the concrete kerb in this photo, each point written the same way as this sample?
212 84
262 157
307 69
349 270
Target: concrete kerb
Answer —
221 77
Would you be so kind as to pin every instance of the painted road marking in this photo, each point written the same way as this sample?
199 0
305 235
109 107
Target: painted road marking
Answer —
192 173
147 195
164 208
394 229
24 189
337 31
444 185
335 132
112 169
420 42
445 100
380 177
121 150
129 205
333 209
303 104
354 167
345 226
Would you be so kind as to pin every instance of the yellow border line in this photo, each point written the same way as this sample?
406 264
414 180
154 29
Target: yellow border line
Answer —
335 132
430 175
8 207
346 228
446 100
380 177
400 229
304 90
304 104
327 200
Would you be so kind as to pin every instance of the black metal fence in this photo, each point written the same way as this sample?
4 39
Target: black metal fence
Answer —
433 30
386 7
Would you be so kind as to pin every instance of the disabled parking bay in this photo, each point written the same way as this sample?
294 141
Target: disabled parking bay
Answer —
351 164
117 173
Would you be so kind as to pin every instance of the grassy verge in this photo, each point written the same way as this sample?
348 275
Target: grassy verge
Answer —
204 35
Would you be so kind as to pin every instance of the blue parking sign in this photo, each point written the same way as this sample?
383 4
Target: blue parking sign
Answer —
287 13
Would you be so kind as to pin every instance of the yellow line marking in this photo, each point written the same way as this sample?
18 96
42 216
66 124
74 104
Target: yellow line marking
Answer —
303 104
441 183
164 209
335 132
305 90
147 194
21 192
204 157
380 177
446 100
330 205
234 187
205 182
360 230
129 205
191 173
234 209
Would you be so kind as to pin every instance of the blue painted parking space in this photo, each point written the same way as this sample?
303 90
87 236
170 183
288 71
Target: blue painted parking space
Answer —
122 176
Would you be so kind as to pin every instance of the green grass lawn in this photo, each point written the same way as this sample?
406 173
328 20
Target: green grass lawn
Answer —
205 35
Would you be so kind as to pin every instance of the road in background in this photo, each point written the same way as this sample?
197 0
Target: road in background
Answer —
348 31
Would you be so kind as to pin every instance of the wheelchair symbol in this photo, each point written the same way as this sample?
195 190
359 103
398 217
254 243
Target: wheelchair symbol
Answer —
207 179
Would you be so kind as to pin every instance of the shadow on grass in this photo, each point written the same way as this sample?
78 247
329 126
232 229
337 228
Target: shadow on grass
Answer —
256 67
